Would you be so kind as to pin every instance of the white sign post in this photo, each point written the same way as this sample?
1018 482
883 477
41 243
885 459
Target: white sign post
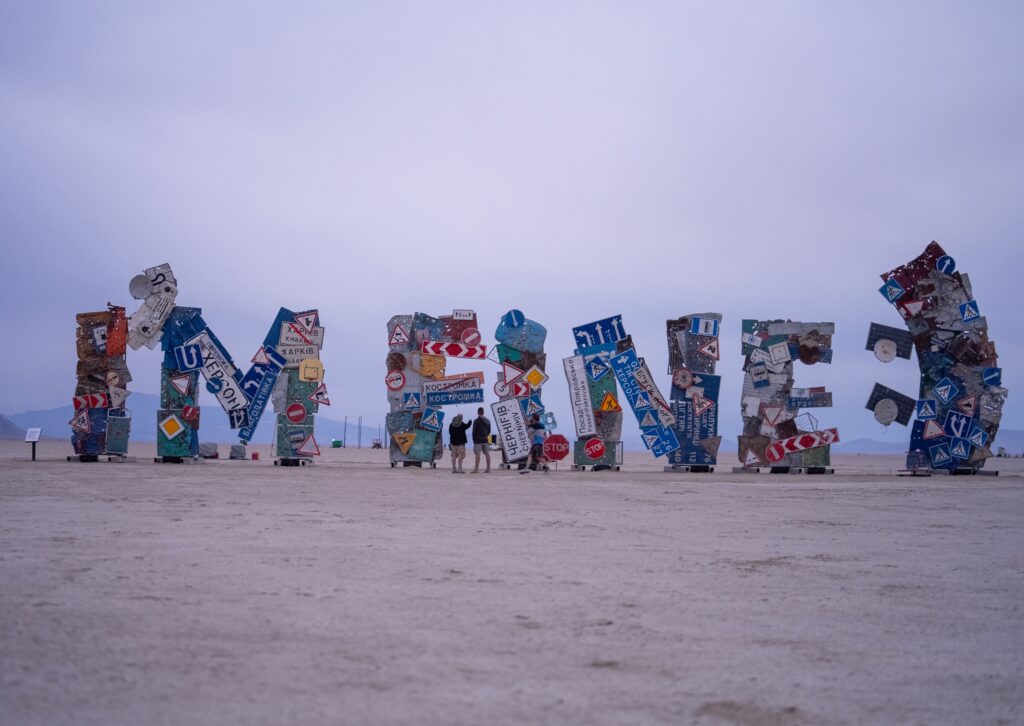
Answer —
32 436
512 432
579 396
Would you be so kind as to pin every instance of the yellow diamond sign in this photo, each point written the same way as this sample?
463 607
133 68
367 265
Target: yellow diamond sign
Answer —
535 377
171 426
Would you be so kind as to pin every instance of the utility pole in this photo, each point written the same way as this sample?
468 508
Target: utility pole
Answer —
359 435
344 434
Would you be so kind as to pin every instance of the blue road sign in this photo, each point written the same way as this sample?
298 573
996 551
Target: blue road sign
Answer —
978 437
213 385
623 366
891 290
597 369
957 425
259 397
513 318
608 330
969 311
945 390
454 398
411 401
940 456
960 448
703 326
527 335
690 430
188 357
532 406
946 265
992 376
926 409
432 419
661 440
238 417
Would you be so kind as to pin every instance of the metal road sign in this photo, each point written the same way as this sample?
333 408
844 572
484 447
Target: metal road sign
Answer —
901 342
993 377
521 333
957 425
532 406
80 421
579 396
978 437
459 382
512 433
261 396
556 447
218 369
646 381
926 409
945 390
453 350
404 440
171 427
594 448
188 357
411 401
968 405
940 456
609 403
608 330
510 372
597 369
809 398
704 326
660 440
502 389
710 349
399 336
455 397
697 434
296 413
394 380
900 406
295 354
520 388
969 311
471 337
535 377
946 265
932 429
296 334
513 318
432 419
308 319
892 290
422 447
308 447
319 396
311 369
959 448
777 450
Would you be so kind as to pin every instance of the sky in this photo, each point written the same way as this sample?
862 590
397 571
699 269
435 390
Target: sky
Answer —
572 160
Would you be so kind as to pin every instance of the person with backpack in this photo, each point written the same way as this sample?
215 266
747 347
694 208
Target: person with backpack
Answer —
481 441
457 439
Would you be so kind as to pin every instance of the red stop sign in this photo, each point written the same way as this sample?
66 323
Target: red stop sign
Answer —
594 448
556 447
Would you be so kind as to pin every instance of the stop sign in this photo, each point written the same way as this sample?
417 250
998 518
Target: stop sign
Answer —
594 448
556 447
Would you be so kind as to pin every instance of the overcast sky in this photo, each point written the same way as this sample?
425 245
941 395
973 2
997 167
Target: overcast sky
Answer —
573 160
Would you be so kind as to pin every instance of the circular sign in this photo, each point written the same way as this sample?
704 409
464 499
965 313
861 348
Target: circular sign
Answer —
682 378
556 447
885 350
214 385
471 336
190 414
513 318
501 389
886 411
809 354
296 413
395 361
394 380
946 265
113 379
594 448
139 287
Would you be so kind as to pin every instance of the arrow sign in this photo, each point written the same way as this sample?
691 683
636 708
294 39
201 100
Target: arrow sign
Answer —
453 350
777 450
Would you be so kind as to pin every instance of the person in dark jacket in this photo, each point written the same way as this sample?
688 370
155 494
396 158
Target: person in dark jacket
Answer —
481 441
457 439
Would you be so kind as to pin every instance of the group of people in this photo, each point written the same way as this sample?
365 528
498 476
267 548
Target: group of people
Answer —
481 435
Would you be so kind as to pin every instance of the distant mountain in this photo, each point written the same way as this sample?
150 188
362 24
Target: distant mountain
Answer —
9 431
871 446
213 423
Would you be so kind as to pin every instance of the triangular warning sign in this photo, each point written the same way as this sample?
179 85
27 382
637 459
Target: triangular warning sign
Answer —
608 403
308 447
80 421
320 395
261 358
912 307
651 439
308 319
701 404
710 349
649 419
404 440
510 372
642 400
182 384
932 430
399 336
771 413
533 407
968 405
751 458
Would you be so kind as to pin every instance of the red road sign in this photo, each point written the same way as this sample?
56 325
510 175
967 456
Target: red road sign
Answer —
520 389
556 447
471 337
453 350
812 440
296 413
394 380
594 448
190 415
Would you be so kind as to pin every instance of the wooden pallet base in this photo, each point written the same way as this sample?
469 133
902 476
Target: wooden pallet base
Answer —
783 470
598 467
176 460
690 468
948 472
293 462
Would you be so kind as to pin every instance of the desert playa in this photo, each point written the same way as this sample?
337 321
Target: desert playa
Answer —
351 592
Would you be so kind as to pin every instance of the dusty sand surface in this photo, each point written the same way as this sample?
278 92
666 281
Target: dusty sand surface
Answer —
350 592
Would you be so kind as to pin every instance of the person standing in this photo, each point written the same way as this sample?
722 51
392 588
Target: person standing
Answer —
481 441
457 440
538 432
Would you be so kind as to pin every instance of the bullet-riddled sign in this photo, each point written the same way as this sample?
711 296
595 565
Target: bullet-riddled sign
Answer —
512 433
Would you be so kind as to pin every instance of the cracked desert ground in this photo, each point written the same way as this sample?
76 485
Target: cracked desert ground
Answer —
352 593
